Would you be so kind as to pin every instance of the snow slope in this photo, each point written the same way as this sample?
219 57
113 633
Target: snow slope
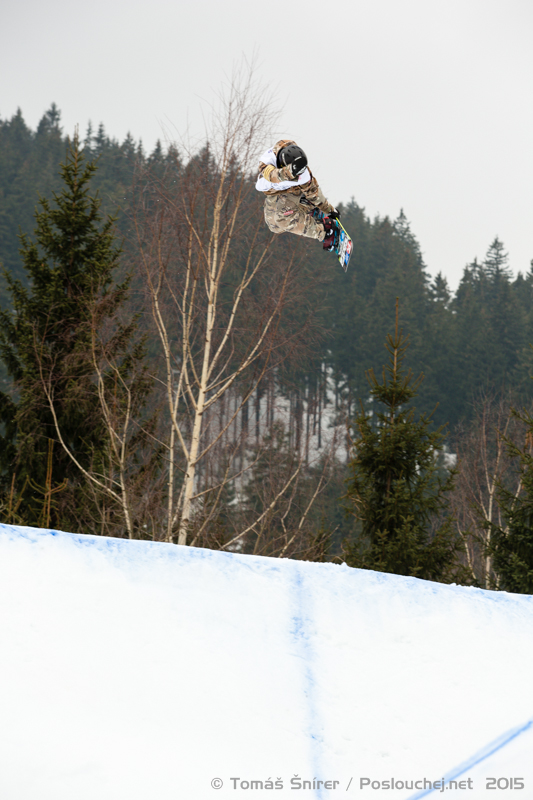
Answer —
144 671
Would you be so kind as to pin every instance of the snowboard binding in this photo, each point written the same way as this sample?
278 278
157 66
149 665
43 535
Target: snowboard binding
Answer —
337 238
331 239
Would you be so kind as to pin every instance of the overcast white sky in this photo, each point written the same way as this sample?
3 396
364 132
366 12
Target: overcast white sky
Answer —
423 105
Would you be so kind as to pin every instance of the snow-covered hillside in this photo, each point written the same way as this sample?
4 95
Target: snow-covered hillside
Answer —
140 671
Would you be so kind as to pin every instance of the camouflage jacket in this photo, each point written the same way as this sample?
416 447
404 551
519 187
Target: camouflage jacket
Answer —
309 191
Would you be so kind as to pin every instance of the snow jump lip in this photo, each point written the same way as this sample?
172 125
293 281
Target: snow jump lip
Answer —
259 665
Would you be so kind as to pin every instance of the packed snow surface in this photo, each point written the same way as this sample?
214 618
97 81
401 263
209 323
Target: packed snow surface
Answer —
145 671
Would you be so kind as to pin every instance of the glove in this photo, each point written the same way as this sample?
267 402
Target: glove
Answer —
334 214
286 173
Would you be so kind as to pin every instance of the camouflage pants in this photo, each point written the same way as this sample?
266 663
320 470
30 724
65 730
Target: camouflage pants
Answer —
285 213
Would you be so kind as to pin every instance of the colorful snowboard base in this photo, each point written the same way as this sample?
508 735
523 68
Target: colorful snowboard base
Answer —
343 251
344 248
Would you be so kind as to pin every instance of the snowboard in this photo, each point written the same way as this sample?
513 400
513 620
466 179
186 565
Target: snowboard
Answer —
344 247
343 250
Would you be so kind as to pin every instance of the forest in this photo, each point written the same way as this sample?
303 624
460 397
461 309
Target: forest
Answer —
170 370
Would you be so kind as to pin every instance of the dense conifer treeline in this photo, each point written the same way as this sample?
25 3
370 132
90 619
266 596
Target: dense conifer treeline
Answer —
462 342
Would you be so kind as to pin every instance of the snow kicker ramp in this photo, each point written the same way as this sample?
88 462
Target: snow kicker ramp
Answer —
142 671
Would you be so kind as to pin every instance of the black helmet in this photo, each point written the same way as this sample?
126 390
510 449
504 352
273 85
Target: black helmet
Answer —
294 157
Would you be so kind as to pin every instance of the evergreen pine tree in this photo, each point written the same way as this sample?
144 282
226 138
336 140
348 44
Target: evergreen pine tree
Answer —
496 262
70 269
28 165
403 230
396 489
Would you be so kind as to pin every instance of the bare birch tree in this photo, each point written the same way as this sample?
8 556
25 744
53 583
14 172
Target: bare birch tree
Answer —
225 306
483 465
225 299
121 480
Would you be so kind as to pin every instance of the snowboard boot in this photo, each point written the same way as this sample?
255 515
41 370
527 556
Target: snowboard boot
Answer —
331 240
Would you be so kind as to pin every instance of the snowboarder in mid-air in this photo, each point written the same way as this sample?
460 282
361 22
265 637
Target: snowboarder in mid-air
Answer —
294 201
